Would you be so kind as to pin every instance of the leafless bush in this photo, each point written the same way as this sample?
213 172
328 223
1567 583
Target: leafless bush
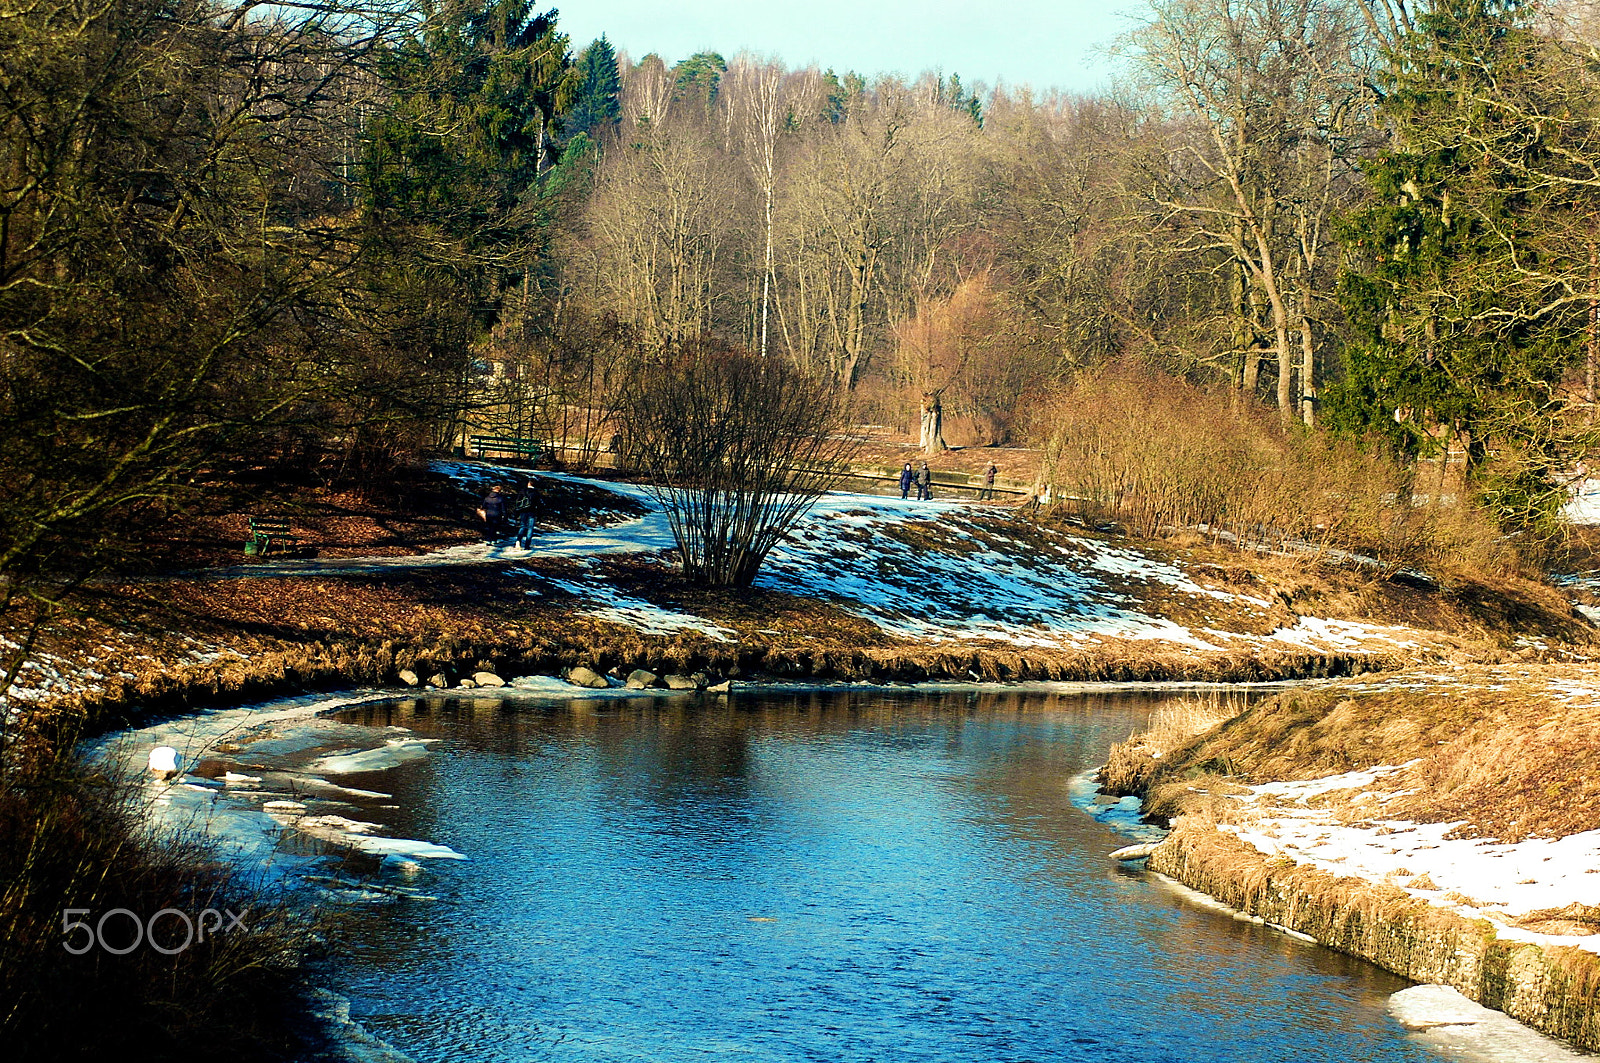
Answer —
1154 453
737 448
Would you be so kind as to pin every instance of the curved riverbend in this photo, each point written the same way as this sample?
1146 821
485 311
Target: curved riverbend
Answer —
801 876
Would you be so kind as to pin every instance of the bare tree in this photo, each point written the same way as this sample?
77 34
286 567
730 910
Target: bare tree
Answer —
659 223
868 213
738 448
759 109
1276 86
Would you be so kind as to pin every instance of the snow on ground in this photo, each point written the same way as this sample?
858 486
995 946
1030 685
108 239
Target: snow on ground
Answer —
608 603
841 552
1478 878
1316 633
1584 507
985 585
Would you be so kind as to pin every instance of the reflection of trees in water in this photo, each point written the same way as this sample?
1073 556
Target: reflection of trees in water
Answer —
692 766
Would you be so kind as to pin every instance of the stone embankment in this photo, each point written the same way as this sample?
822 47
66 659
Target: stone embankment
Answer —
1553 989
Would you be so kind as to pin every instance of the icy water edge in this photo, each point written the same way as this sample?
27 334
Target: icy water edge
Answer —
863 875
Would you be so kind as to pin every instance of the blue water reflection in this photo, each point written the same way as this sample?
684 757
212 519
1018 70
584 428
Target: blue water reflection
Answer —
830 877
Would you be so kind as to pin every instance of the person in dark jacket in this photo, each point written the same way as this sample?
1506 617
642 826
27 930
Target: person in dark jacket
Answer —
924 483
493 511
906 476
988 483
525 510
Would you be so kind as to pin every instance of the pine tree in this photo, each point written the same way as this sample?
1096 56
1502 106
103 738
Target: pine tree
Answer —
698 77
1457 341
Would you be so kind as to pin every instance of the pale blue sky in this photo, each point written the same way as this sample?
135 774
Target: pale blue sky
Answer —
1045 43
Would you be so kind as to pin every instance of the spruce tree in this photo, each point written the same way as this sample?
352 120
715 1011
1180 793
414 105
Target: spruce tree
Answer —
699 77
454 167
598 106
1454 338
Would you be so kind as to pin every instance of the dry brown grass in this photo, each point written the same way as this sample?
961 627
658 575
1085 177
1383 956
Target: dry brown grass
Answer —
1172 725
1154 454
1504 754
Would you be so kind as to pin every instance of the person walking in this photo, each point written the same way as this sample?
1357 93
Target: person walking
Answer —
525 510
906 476
988 483
924 483
493 511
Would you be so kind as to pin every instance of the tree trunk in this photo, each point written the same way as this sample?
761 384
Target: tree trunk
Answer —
1308 367
1592 354
932 425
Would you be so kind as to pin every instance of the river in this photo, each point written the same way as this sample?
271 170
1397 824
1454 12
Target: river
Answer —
838 876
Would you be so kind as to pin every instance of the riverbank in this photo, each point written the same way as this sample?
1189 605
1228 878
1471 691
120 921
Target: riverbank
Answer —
866 589
1440 825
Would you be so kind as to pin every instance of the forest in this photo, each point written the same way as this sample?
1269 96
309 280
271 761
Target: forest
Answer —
1325 267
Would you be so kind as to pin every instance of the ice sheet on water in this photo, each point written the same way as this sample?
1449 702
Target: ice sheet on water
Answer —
1123 815
1468 1031
391 754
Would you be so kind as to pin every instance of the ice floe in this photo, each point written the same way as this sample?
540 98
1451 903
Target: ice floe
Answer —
1466 1030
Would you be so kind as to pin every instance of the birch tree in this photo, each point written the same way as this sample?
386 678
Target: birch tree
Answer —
758 100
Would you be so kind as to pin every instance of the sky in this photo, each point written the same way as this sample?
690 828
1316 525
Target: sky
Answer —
1044 43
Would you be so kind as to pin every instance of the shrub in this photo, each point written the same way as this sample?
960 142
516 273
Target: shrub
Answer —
1156 454
737 448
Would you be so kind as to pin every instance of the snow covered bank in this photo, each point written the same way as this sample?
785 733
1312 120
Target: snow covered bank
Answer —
1553 990
1336 824
941 572
1458 846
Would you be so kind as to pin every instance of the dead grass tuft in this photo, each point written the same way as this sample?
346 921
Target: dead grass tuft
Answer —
1510 756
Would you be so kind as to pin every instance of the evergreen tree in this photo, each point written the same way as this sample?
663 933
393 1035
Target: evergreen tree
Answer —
839 96
457 161
698 77
1456 339
598 104
475 95
955 96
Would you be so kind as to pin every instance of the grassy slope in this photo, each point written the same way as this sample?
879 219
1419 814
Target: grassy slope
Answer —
1508 751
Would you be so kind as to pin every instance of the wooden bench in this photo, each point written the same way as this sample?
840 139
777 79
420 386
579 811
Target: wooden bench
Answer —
515 445
269 533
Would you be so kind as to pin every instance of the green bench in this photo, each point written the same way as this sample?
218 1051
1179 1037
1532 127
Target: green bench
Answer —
515 445
268 534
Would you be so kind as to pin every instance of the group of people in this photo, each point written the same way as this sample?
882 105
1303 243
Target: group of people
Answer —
506 512
922 480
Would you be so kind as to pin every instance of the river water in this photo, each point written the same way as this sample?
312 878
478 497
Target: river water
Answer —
807 876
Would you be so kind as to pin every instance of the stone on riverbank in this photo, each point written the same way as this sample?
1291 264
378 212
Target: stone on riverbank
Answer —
640 679
409 678
681 682
587 677
487 679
